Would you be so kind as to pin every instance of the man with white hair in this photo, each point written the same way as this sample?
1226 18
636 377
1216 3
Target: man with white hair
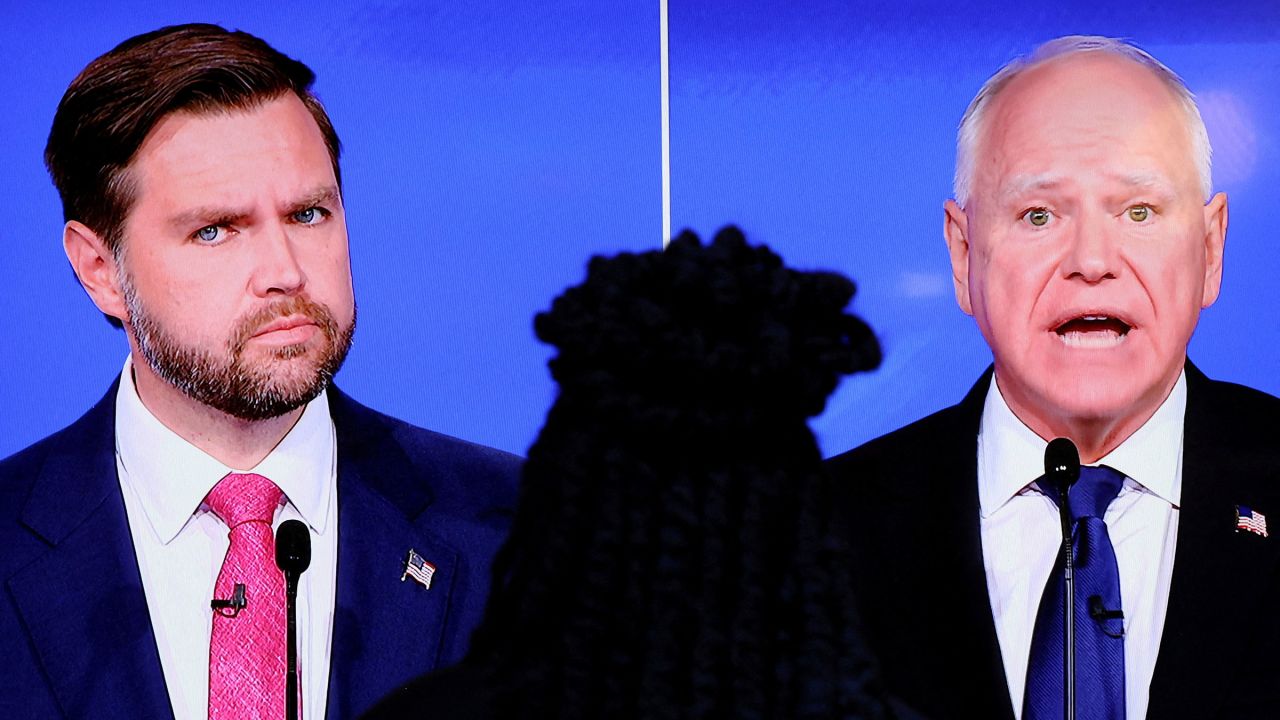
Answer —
1084 240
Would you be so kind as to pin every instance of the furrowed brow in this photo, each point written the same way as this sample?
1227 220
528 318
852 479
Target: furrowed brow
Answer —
207 215
326 197
1020 185
1149 181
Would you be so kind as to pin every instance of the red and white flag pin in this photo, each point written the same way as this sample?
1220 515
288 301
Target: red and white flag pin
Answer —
1250 521
417 567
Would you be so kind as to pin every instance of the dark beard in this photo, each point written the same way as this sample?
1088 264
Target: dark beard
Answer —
227 383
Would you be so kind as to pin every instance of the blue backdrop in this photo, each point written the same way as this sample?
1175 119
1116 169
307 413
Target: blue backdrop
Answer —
491 147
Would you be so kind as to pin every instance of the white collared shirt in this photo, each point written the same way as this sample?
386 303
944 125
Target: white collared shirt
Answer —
1021 534
180 543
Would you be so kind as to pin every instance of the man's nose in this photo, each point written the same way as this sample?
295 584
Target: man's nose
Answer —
1092 250
276 269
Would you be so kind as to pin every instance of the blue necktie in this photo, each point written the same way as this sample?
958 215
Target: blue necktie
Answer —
1099 625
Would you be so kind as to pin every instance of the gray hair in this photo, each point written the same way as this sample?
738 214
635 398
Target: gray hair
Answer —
973 124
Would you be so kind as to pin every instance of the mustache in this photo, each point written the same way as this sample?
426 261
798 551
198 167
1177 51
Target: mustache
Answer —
249 325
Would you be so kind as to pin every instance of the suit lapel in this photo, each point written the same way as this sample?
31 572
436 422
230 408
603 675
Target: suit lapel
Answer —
82 603
386 631
1216 589
912 499
965 607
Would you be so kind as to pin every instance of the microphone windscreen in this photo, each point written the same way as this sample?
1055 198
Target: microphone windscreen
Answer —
1061 463
293 546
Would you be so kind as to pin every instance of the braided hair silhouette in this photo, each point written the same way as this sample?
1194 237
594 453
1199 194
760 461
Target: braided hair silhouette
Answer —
670 555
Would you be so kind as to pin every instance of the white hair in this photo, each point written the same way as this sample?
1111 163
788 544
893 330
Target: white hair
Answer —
973 124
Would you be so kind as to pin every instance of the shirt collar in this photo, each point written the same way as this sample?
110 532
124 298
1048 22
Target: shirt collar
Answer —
1010 455
171 476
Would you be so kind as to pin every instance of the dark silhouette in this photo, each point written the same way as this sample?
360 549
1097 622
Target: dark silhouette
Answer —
670 556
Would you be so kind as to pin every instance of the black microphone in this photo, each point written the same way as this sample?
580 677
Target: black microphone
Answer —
1061 471
293 556
1062 468
293 549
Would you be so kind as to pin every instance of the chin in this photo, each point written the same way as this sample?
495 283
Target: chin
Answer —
292 377
1092 397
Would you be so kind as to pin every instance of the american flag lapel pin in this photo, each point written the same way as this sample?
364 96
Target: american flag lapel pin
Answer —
417 567
1250 520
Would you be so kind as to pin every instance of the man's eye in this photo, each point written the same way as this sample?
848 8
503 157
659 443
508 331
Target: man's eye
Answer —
209 234
310 216
1139 213
1039 217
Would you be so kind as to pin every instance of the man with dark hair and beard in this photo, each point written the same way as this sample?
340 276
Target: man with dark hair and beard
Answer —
202 197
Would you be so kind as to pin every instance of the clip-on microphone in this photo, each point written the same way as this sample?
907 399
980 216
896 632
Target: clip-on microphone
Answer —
1061 471
230 607
293 556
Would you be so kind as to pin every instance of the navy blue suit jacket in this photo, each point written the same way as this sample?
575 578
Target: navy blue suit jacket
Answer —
75 635
910 504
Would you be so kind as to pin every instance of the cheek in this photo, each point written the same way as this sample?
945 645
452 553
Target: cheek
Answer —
1016 292
1174 281
1007 286
175 285
330 282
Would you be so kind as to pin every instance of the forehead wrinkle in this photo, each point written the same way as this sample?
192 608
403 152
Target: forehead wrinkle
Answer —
1013 117
327 194
1137 178
1151 181
1023 183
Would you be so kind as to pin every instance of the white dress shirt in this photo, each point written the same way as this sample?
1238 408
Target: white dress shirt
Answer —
180 543
1022 535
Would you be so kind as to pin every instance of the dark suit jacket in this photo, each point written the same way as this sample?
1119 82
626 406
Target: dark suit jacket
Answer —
910 502
75 636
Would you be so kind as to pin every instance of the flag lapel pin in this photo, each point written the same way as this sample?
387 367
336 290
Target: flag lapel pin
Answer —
1250 521
417 567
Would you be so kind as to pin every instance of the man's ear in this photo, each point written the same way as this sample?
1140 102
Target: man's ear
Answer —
1215 240
955 228
95 266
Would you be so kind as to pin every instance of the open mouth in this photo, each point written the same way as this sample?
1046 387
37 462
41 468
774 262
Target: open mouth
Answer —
1093 330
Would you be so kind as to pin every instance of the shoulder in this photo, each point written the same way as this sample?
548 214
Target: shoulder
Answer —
946 436
909 444
1230 416
43 486
19 471
451 466
91 435
1228 398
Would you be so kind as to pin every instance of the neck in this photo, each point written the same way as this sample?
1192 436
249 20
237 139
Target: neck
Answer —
237 443
1094 435
1093 438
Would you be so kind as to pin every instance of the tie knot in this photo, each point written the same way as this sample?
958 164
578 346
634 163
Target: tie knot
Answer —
240 498
1094 491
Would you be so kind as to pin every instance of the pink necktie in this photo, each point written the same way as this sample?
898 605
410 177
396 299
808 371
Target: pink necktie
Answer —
247 651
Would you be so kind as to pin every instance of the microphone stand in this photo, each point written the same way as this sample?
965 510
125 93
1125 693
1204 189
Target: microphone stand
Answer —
291 674
293 556
1062 469
1068 608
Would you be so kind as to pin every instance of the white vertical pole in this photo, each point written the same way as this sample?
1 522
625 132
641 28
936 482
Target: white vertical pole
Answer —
666 125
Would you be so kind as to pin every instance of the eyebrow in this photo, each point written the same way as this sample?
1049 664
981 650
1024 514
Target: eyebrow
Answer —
207 215
327 195
221 215
1021 184
1146 180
